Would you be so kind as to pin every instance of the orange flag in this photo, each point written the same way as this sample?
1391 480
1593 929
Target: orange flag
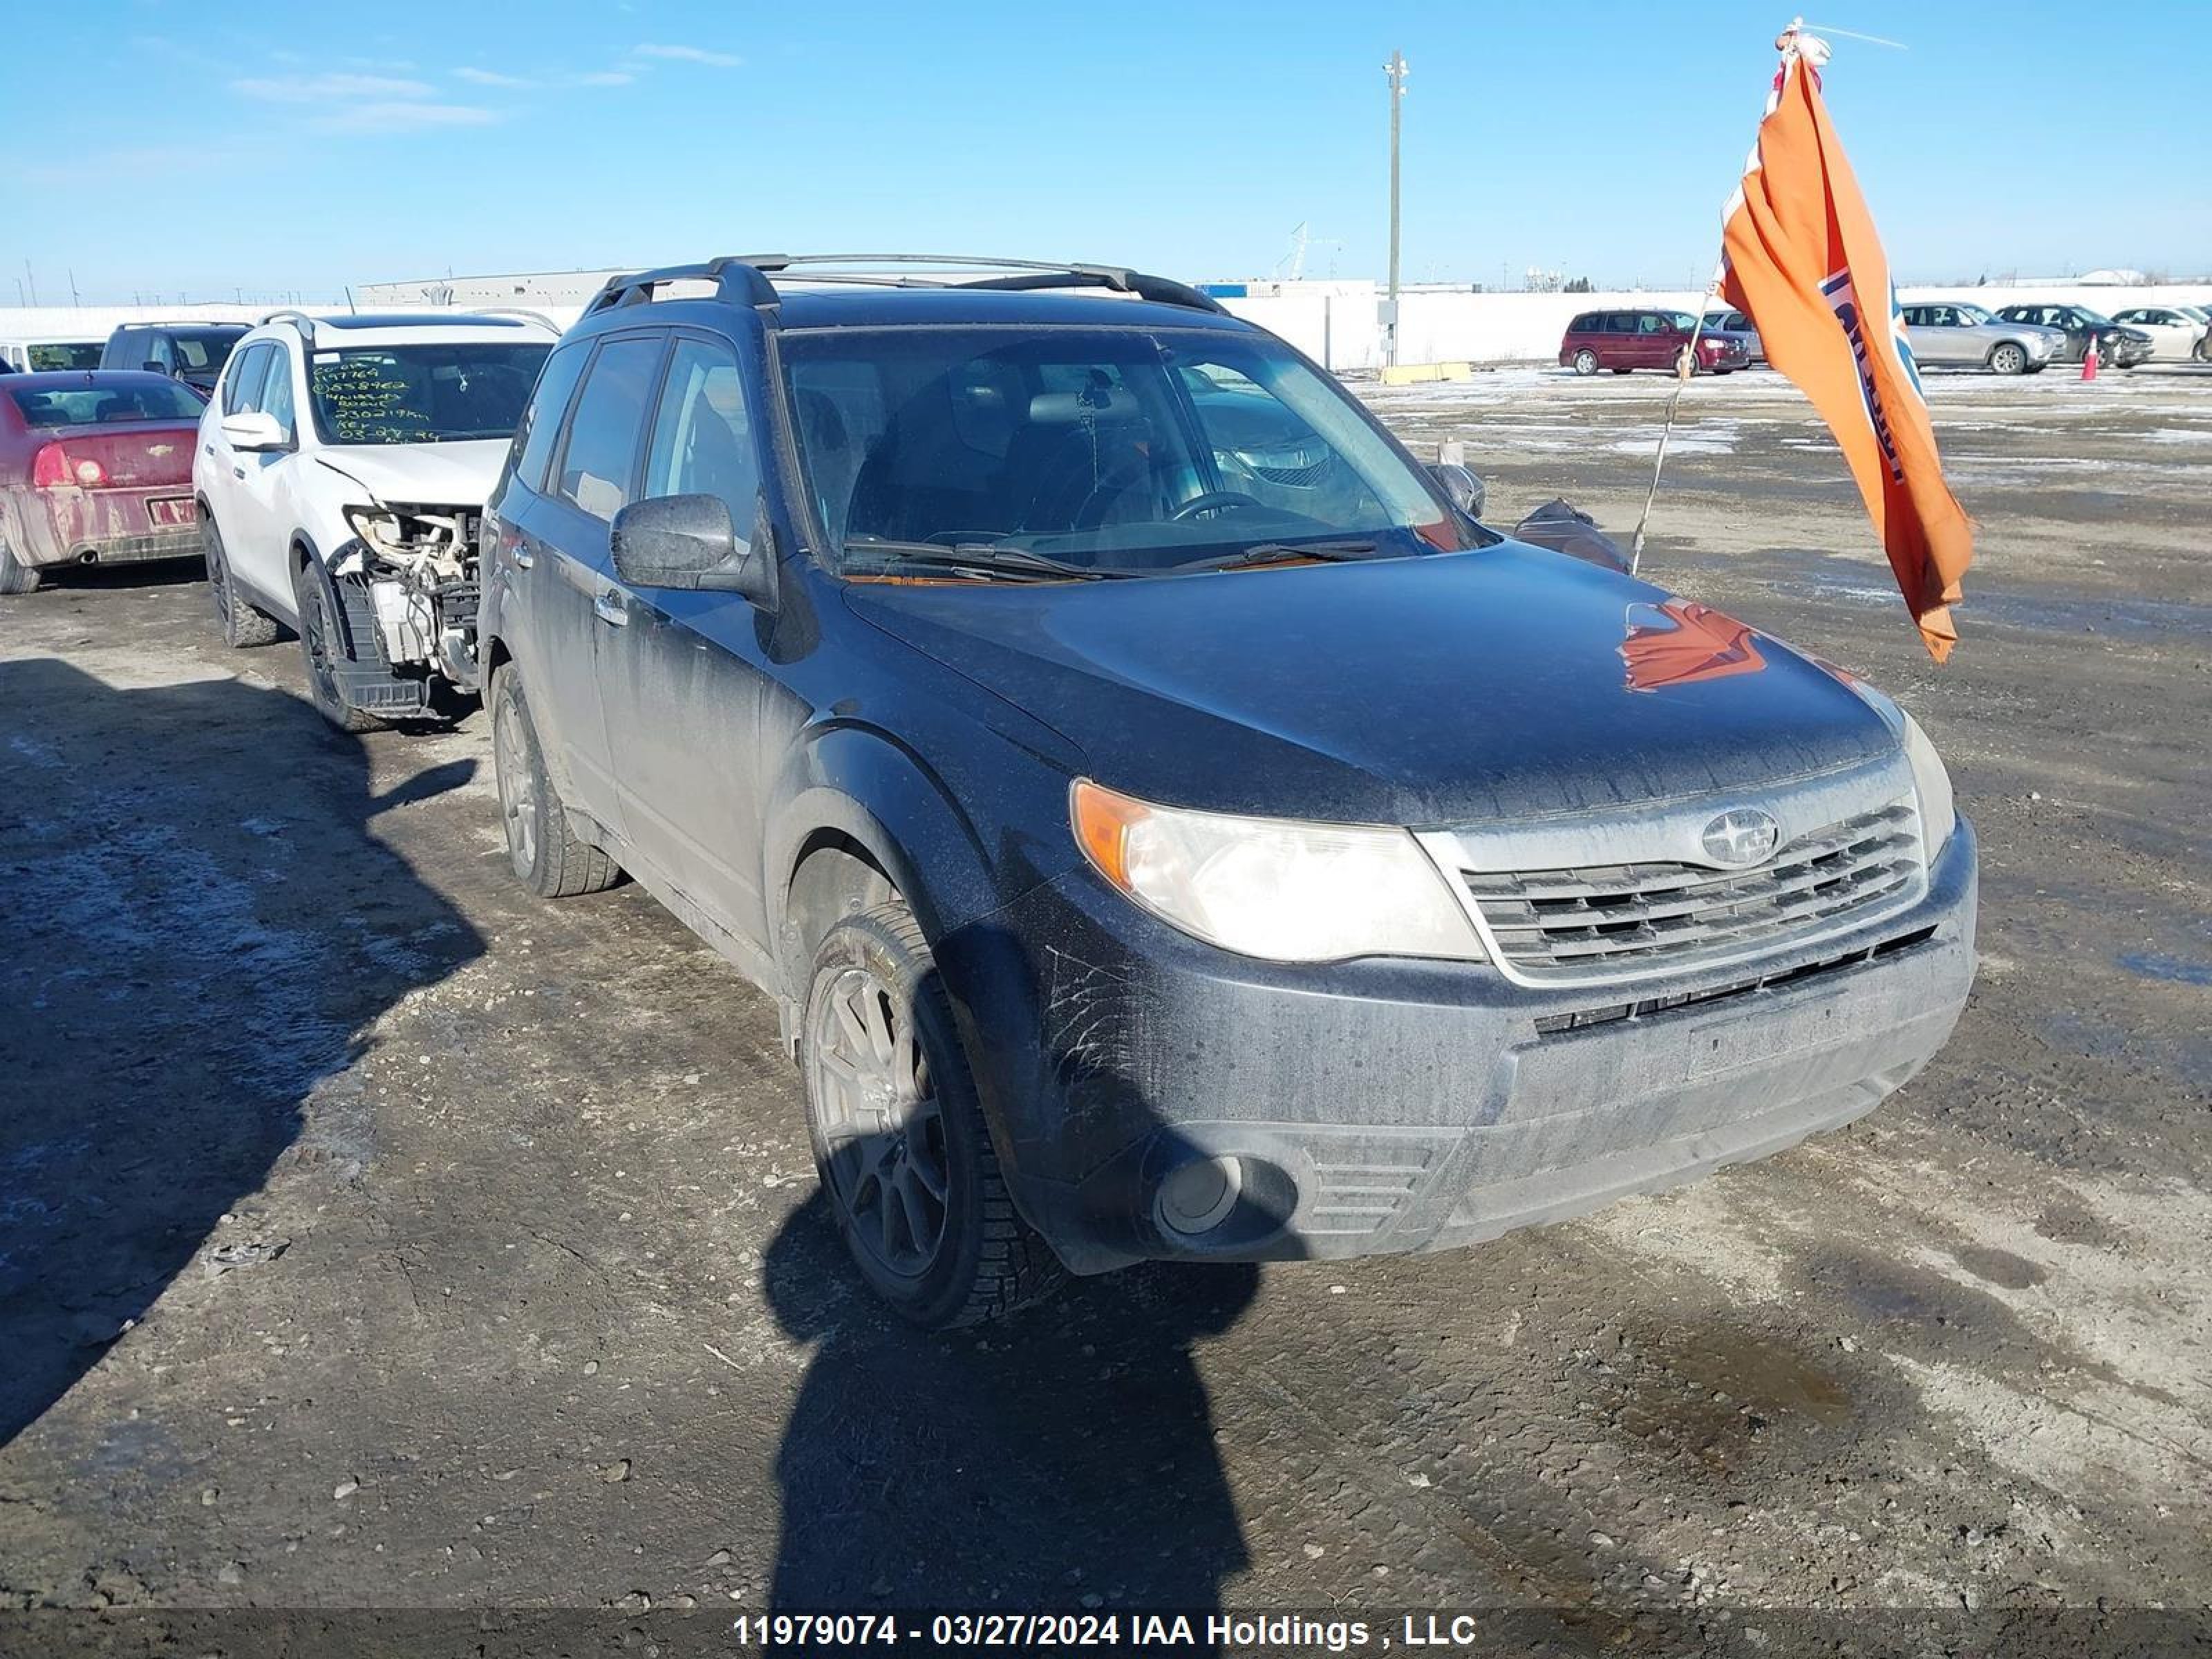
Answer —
1802 259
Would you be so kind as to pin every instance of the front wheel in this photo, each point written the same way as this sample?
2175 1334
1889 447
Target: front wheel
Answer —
899 1139
1585 362
2009 359
322 642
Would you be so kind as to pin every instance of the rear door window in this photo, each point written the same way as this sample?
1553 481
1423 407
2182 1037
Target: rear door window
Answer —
1620 322
598 464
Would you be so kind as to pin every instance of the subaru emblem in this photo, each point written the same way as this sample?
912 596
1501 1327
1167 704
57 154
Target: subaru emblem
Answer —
1740 837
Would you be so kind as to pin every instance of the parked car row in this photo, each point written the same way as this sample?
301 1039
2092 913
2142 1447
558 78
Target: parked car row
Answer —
1170 823
2019 339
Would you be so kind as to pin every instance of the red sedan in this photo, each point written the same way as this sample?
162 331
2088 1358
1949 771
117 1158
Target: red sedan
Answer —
95 468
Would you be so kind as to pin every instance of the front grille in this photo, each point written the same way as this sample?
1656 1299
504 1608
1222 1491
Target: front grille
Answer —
1559 927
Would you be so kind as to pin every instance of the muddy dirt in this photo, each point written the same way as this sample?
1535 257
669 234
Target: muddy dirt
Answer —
373 1236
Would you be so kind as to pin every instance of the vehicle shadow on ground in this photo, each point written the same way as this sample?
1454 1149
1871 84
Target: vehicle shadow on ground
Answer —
1063 1455
104 578
197 927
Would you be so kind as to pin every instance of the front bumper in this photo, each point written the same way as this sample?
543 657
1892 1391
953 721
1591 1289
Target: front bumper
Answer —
1388 1106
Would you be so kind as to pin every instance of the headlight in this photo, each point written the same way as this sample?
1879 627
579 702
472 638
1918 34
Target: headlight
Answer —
378 528
1931 783
1273 888
1939 814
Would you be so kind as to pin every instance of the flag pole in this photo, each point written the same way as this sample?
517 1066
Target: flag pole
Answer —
1687 367
1786 43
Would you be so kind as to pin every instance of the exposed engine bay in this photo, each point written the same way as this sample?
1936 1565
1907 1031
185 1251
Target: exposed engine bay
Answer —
413 569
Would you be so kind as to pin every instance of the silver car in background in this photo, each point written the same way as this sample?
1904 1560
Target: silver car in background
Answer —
1953 334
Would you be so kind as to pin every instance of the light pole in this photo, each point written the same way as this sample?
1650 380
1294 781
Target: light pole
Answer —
1395 69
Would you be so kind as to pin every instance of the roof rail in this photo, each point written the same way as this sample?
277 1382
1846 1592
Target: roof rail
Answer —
743 279
299 319
735 280
1030 274
514 310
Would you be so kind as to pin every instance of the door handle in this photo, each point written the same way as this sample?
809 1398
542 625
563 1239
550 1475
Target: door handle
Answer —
608 607
238 472
524 558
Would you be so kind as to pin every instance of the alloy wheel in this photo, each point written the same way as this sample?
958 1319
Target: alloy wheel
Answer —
881 1123
219 585
518 786
315 633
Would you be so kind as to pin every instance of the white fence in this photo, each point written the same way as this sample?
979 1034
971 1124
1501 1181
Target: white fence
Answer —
1344 330
1337 324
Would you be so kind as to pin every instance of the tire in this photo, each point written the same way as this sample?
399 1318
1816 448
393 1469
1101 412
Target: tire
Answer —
1586 361
323 648
2203 352
241 623
547 856
892 1113
2006 357
15 577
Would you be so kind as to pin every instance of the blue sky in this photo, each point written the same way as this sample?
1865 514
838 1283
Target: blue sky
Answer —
200 149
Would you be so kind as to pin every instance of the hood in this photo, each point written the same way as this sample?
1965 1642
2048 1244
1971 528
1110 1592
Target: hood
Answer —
1445 689
428 475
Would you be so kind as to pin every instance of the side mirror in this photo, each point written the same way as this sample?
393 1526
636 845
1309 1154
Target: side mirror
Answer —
1465 490
687 542
153 368
254 430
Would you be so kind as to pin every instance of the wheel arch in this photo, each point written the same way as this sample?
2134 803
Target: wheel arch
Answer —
873 813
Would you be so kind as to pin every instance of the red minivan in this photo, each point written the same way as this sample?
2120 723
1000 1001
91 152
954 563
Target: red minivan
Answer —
1623 340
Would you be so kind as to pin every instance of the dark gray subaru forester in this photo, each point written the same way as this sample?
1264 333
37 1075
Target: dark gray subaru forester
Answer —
1171 824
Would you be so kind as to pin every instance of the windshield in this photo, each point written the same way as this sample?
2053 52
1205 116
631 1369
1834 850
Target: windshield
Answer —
2083 316
1116 452
47 355
423 394
99 405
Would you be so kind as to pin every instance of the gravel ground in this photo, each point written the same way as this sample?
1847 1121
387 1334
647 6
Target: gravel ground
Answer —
373 1236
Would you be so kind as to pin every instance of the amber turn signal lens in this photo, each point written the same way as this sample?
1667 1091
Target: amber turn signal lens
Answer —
1103 822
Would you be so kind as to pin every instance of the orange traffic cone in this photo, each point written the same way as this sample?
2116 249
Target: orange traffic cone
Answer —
2089 359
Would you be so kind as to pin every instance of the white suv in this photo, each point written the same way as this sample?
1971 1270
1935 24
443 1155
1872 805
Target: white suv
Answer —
342 469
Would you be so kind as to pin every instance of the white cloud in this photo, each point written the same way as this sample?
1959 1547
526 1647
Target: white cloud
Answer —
400 117
691 55
482 77
319 89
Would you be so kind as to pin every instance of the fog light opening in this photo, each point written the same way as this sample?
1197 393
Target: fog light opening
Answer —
1198 1196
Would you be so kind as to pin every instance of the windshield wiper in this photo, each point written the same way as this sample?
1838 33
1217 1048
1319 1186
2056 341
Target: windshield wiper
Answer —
1280 552
984 560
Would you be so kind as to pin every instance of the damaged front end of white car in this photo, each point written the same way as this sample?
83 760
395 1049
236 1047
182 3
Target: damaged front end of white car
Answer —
408 578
